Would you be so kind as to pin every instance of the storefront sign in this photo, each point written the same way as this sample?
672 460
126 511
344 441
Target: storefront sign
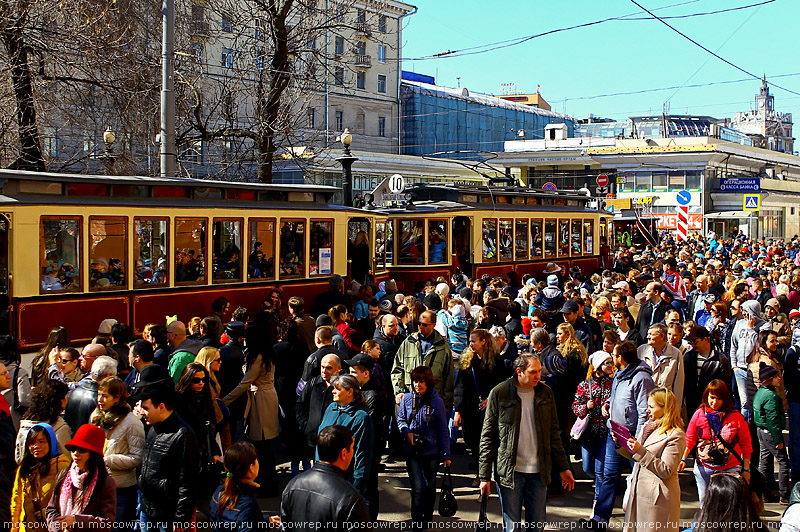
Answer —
644 200
740 184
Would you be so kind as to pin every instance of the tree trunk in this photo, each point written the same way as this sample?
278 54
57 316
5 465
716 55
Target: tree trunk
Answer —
30 157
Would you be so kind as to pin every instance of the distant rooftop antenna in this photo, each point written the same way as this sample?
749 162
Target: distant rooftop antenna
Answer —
458 80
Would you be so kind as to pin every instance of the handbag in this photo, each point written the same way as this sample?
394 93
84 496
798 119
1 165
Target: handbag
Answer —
581 425
483 523
448 506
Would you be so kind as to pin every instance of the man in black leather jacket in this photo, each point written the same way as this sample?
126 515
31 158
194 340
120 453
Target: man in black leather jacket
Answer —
315 398
321 499
170 461
82 401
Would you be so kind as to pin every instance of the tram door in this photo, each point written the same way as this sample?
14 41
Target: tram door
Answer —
359 250
462 250
5 288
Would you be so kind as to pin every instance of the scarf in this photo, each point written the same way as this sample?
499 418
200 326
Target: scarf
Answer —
75 479
108 419
714 421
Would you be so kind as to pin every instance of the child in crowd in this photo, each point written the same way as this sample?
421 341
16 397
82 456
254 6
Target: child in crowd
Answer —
794 319
457 325
770 420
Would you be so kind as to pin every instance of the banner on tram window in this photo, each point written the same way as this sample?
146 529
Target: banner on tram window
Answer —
325 261
670 221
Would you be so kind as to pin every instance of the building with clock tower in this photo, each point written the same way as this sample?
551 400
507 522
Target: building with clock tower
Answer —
768 128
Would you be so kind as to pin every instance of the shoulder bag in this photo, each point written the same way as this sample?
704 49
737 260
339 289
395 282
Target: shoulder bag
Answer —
448 506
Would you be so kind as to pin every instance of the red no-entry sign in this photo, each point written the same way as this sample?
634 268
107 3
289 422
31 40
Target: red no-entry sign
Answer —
602 180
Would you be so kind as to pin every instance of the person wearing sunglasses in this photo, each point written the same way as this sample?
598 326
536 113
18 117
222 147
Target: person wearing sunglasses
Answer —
589 399
84 494
196 408
426 347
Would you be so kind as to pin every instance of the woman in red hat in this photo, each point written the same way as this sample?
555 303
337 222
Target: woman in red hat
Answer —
85 495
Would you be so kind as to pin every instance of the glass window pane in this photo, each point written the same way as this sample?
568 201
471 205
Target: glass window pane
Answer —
643 182
190 251
676 181
437 241
380 245
693 179
411 243
550 243
389 246
261 263
521 238
489 240
108 252
60 254
563 238
536 239
659 181
227 248
588 237
320 262
506 240
150 247
293 240
575 240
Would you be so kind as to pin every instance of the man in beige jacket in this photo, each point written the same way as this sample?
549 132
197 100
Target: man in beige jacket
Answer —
665 360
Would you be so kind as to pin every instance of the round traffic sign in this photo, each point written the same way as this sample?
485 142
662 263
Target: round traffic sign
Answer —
684 197
610 196
602 180
549 186
397 184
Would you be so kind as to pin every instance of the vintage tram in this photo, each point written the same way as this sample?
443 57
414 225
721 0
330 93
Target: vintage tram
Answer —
76 249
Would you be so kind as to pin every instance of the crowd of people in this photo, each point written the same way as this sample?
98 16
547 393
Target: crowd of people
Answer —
682 355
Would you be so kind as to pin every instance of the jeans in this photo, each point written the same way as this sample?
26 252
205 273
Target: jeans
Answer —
703 475
612 471
146 525
768 449
794 438
422 473
593 453
127 501
741 386
529 491
682 307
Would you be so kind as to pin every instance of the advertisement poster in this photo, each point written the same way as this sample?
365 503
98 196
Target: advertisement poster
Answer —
325 261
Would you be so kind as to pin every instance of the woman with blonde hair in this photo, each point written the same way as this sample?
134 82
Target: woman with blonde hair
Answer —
601 310
210 358
654 493
480 368
569 345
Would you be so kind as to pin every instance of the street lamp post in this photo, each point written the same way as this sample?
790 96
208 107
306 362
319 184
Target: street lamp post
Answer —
347 161
108 155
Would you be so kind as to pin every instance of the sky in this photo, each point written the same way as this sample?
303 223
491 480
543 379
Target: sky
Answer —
576 69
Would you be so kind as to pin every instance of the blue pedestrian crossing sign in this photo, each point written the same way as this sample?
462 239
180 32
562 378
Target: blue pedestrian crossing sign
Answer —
751 202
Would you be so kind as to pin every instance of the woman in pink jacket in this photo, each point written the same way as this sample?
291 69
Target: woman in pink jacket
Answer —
721 436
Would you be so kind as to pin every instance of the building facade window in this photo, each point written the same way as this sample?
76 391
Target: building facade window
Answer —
361 17
227 22
382 23
338 76
381 54
381 126
338 48
361 80
311 121
340 11
381 83
361 48
339 121
228 57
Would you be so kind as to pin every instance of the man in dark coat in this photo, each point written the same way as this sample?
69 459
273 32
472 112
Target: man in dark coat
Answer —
571 311
653 310
230 375
315 398
702 364
322 498
334 296
82 401
322 338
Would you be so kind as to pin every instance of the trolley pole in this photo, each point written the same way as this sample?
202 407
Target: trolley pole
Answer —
167 136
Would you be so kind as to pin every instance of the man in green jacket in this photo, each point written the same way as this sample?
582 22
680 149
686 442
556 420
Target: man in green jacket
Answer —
184 352
770 420
521 441
426 347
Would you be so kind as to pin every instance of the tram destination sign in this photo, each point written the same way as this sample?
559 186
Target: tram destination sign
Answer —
740 184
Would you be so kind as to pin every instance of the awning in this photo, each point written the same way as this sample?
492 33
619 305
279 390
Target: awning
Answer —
730 215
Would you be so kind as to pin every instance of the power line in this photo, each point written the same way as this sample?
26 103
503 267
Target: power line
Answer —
490 47
737 67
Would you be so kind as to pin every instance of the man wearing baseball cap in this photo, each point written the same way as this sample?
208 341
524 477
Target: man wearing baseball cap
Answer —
571 311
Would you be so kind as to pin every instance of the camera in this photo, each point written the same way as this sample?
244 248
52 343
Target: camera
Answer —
419 444
717 457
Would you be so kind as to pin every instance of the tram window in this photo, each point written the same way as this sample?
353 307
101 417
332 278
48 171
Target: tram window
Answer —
261 263
588 241
320 262
60 254
411 243
536 239
521 239
575 240
550 242
226 243
437 241
380 245
150 251
293 249
389 244
108 253
489 240
505 240
563 238
190 251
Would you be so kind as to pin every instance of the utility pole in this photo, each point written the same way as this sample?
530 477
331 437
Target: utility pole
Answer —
167 136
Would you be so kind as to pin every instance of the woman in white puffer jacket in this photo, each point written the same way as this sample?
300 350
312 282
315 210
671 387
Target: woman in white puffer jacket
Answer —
124 443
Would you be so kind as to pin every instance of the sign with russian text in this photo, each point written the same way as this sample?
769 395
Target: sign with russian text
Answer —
740 184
